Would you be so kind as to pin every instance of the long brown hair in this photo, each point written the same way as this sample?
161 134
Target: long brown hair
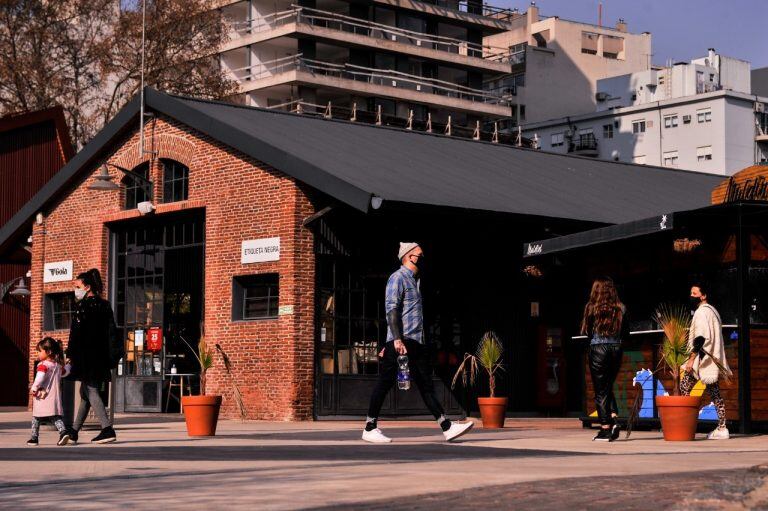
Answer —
53 349
604 310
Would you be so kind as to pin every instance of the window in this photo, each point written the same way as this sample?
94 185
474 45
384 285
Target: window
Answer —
704 115
639 159
638 126
607 130
135 192
255 297
704 153
58 311
589 43
670 159
670 121
175 181
557 139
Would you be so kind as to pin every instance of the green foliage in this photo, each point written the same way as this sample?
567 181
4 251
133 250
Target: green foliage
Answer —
675 321
488 356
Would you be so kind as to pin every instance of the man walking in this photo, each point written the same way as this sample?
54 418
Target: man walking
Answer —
405 336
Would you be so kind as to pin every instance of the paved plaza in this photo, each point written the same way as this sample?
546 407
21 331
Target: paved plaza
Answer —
531 464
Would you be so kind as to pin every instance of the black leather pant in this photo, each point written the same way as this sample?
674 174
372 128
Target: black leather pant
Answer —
604 365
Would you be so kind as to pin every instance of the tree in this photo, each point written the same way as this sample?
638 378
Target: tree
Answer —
86 55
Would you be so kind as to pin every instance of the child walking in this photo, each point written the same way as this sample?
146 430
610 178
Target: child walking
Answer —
46 403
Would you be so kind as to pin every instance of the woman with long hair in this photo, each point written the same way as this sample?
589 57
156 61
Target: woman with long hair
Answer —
93 351
605 324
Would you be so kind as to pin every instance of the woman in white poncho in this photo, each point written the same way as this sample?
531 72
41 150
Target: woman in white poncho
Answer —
707 326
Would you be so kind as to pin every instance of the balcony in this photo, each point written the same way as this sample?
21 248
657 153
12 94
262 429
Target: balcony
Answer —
584 145
370 82
334 27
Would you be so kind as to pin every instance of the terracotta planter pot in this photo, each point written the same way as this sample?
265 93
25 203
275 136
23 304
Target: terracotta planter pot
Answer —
679 416
201 414
492 411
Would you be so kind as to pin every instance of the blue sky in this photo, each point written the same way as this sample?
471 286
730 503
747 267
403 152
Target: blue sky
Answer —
682 29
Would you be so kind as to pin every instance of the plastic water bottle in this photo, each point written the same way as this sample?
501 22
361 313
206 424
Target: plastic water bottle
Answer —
403 373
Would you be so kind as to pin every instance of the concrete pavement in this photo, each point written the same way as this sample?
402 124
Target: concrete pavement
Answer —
531 464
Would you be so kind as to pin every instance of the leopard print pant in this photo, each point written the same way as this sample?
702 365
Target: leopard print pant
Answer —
686 386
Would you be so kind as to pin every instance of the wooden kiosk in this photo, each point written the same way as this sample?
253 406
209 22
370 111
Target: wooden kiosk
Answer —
654 261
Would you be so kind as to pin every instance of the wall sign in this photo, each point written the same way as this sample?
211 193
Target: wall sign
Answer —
750 184
59 271
260 251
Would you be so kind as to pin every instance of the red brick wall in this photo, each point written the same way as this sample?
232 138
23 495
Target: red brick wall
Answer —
243 199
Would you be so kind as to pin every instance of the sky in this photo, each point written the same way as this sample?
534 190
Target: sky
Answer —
681 29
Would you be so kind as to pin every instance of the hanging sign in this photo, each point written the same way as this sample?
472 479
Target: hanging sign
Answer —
155 339
260 251
60 271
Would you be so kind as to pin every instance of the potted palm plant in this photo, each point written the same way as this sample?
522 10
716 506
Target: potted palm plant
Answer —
201 412
488 357
679 414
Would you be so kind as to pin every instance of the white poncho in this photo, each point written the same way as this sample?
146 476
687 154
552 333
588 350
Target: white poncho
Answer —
707 324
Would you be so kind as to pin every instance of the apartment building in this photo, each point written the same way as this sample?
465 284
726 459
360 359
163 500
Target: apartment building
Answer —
560 62
698 115
398 57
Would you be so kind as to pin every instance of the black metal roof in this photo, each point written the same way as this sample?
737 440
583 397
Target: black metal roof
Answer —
353 162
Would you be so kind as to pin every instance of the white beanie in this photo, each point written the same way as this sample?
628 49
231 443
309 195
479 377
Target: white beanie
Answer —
405 247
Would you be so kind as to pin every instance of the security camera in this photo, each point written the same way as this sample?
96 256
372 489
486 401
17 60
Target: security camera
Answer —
145 208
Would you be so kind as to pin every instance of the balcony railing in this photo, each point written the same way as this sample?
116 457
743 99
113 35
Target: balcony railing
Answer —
385 77
342 23
583 143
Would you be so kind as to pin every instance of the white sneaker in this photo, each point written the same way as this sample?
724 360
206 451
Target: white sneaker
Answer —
457 429
375 436
719 434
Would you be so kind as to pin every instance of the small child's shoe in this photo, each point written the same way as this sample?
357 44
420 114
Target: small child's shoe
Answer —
32 442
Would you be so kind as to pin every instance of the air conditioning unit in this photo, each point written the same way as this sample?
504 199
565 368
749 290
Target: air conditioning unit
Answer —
759 107
686 119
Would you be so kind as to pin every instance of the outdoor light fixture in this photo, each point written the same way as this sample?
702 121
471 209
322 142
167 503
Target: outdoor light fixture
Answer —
685 245
19 289
376 202
104 181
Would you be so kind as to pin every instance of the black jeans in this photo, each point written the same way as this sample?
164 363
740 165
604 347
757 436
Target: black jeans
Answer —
421 374
604 365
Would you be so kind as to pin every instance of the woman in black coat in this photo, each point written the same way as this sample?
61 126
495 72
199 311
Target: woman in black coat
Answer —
93 351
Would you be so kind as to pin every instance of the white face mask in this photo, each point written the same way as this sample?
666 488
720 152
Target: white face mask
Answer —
80 293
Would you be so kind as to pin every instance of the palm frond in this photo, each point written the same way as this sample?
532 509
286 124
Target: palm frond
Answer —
236 394
675 321
488 356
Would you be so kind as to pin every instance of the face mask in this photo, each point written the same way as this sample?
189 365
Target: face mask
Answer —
694 302
80 293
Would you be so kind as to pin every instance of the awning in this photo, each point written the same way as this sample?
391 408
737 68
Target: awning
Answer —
602 235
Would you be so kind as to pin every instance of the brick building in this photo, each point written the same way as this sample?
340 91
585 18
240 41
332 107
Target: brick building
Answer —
34 146
277 231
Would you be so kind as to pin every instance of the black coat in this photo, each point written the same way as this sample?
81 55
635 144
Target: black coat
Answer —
94 348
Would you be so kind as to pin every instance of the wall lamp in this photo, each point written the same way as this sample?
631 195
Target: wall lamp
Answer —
103 181
19 288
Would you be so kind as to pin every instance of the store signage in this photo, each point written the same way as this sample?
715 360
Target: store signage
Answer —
260 251
138 339
534 249
285 310
750 184
155 339
60 271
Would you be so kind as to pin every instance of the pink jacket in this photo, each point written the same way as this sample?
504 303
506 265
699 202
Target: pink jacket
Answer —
47 384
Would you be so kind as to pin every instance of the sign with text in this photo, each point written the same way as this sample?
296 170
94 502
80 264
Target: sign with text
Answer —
59 271
750 184
260 251
155 339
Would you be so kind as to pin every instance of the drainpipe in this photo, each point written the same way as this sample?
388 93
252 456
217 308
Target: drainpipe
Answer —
661 143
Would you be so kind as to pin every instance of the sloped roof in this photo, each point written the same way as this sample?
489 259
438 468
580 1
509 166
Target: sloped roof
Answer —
353 162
